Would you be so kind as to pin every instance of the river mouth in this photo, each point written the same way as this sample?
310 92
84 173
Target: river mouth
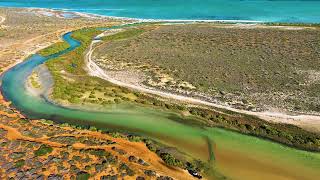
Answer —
270 159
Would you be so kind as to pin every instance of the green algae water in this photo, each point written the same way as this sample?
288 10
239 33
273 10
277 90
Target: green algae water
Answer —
235 155
297 11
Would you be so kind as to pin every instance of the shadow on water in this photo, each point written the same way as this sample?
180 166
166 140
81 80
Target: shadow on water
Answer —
210 143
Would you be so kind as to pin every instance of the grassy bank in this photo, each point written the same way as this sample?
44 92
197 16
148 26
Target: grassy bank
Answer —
82 89
55 48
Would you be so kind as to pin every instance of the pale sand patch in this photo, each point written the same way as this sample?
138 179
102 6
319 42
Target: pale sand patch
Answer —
131 77
2 19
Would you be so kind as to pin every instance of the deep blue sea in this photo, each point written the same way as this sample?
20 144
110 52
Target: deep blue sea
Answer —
304 11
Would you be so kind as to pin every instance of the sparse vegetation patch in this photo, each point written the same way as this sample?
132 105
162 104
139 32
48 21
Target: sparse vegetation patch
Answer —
249 68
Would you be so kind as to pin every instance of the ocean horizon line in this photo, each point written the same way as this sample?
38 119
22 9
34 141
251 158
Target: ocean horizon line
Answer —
139 19
92 15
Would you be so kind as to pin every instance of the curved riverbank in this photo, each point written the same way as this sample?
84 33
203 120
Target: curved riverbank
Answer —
159 125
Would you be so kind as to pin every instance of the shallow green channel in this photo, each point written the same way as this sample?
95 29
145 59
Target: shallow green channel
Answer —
237 156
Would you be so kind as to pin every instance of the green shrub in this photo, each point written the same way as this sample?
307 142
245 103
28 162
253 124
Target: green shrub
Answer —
43 150
134 138
49 122
171 161
92 128
116 135
123 35
20 163
99 152
83 176
17 155
55 48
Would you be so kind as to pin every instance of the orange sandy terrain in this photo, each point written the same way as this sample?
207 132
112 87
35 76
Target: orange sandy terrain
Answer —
14 127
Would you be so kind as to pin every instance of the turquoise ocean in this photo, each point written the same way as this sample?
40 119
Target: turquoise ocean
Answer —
293 11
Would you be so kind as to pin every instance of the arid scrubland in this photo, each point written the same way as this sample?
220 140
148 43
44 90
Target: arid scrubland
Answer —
25 31
248 67
41 149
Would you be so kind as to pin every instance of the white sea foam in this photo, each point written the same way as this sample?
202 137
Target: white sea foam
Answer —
93 15
170 20
95 9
